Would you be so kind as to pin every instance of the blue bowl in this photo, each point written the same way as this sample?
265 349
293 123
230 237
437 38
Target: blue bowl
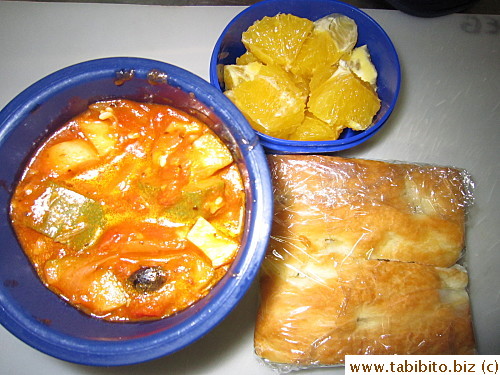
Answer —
382 51
40 318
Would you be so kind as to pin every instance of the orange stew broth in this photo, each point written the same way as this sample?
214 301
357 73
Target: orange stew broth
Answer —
130 211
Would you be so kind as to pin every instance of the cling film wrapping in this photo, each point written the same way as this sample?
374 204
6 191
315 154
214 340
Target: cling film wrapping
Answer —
365 257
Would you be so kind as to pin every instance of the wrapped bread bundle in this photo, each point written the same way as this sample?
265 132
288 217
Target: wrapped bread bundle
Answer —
363 260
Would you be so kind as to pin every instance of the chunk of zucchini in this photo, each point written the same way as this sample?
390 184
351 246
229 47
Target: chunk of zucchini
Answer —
67 217
197 200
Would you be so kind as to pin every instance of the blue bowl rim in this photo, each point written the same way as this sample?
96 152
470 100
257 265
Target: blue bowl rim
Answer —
137 350
288 146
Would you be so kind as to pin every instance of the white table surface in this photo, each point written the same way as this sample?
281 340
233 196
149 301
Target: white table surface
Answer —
448 114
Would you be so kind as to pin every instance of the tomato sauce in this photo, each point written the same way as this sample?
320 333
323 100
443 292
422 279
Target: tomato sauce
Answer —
130 211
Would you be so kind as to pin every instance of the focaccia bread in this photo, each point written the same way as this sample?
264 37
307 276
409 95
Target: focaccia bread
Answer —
370 209
355 306
362 260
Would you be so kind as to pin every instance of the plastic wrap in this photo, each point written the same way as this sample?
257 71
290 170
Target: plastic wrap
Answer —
364 258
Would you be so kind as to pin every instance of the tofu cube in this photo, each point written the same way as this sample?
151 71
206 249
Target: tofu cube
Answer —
214 244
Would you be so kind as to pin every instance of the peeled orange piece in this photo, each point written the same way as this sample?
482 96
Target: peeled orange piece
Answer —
235 74
314 129
359 62
268 97
277 40
332 37
343 30
319 50
340 98
246 58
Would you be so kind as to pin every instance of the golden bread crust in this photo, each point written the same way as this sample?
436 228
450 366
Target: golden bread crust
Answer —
364 307
371 209
362 261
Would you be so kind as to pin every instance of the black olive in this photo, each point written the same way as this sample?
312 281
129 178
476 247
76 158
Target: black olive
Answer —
148 279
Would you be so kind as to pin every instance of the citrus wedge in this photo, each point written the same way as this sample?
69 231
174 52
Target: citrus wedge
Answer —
343 29
343 99
235 74
319 50
277 40
314 129
360 63
269 99
246 58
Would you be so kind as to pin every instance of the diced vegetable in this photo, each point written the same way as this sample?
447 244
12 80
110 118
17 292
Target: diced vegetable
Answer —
67 217
106 292
67 156
217 247
171 138
196 200
79 280
55 269
100 134
164 145
208 155
186 127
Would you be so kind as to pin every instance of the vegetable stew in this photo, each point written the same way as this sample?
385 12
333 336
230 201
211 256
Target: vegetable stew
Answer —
130 211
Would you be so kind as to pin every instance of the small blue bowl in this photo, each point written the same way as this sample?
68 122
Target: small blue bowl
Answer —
382 51
40 318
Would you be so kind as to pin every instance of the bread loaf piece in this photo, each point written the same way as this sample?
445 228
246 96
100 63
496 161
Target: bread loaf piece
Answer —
362 261
370 209
317 313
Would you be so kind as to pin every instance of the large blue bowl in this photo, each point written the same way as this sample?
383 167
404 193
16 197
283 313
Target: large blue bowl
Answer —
40 318
382 51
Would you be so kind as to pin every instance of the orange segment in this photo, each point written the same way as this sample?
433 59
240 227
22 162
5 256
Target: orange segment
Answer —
320 76
277 40
360 63
246 58
269 99
314 129
235 74
342 29
318 51
343 99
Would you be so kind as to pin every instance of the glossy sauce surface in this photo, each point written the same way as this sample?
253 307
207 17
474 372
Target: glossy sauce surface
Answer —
130 211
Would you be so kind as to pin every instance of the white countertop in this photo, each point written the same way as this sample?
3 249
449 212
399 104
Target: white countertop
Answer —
448 114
